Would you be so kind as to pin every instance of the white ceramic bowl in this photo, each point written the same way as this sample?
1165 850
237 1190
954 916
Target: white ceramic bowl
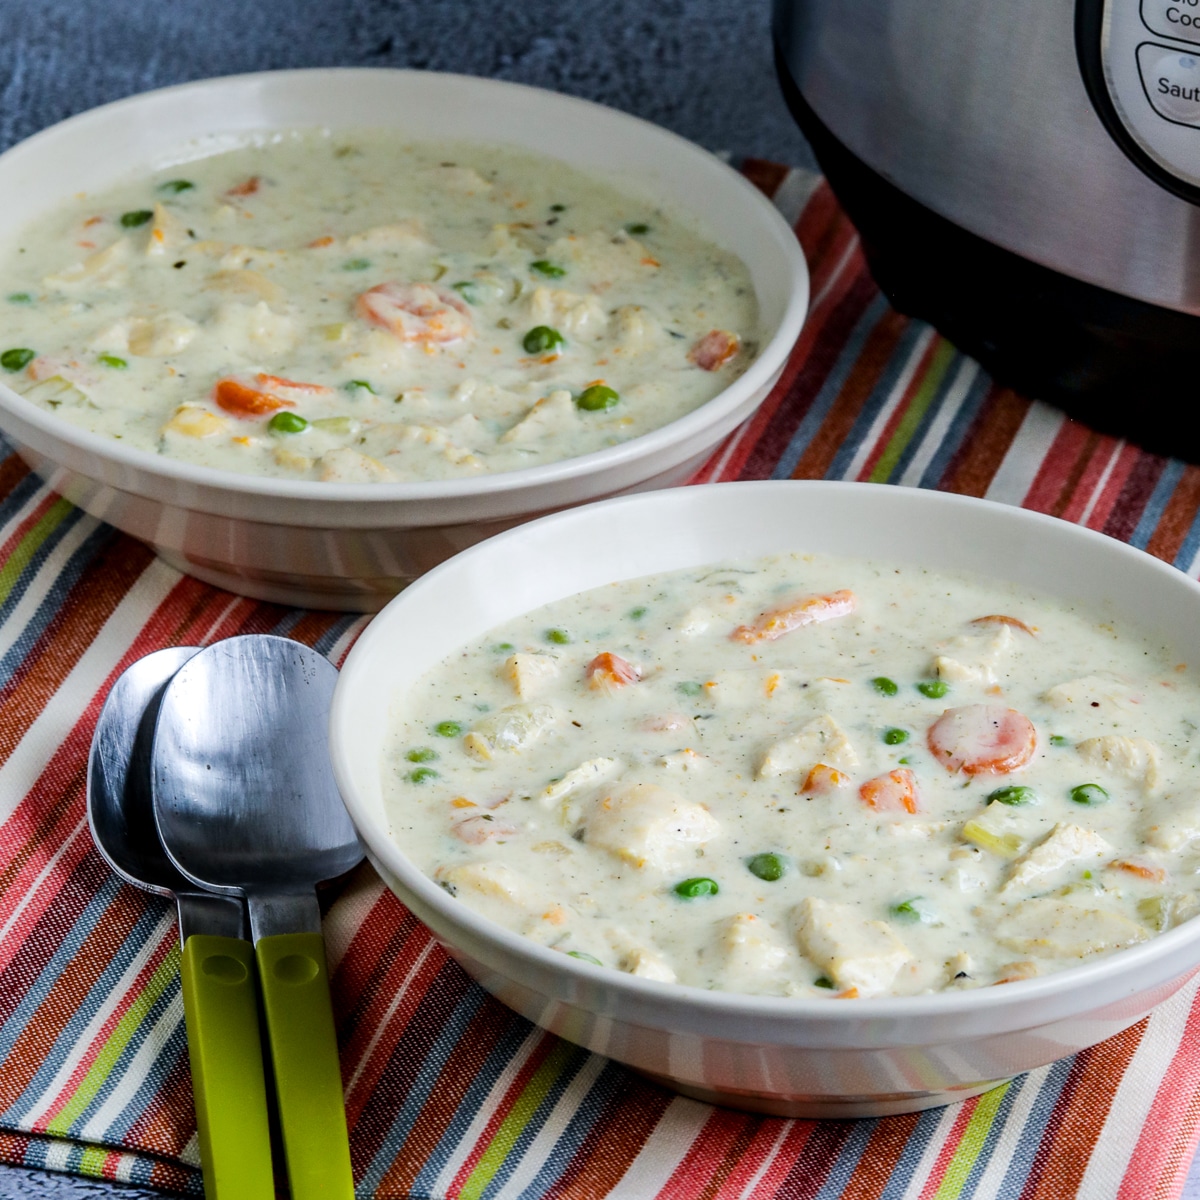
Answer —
353 546
787 1056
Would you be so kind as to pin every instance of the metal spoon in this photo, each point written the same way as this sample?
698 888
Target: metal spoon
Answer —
246 804
219 995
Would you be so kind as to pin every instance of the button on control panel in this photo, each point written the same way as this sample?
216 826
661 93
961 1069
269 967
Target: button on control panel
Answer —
1141 64
1171 77
1173 18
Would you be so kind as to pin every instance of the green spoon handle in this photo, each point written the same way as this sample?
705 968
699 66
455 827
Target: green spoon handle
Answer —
220 1005
308 1077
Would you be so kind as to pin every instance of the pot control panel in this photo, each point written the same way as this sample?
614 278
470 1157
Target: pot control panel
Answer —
1141 62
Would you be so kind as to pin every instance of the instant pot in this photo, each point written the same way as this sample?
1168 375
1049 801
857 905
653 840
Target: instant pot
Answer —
1025 174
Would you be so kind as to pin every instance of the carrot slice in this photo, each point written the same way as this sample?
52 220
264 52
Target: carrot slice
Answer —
609 670
1001 619
270 382
714 350
982 739
1143 868
809 610
823 779
894 792
245 402
246 188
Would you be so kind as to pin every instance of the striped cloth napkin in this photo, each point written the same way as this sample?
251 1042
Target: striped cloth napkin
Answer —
448 1093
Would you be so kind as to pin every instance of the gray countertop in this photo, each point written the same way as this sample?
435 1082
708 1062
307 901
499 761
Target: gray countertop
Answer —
700 67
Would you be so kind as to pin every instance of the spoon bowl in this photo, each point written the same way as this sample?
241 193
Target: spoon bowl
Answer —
244 791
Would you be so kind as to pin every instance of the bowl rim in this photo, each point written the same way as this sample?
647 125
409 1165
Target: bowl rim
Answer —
760 374
384 848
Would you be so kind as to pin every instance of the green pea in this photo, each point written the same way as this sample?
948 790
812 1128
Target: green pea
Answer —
356 264
768 867
636 614
174 186
131 220
1057 739
503 648
637 228
823 981
541 338
549 269
15 360
935 689
20 298
111 360
597 398
908 911
468 289
421 754
895 737
884 686
694 888
689 688
448 729
422 774
1014 795
585 957
558 208
560 637
904 762
1089 794
355 384
286 422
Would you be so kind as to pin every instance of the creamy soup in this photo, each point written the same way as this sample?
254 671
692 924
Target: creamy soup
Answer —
352 307
809 777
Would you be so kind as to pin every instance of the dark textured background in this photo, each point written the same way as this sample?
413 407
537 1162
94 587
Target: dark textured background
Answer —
701 67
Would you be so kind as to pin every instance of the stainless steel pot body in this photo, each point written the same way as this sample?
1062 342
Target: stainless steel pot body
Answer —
1067 132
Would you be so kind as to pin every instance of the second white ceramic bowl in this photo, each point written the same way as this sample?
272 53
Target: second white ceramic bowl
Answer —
791 1057
352 546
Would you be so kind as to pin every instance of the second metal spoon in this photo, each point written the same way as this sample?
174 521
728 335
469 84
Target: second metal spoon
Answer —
246 804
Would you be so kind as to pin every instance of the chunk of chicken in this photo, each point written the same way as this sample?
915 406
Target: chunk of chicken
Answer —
510 730
106 268
1100 695
1131 758
649 826
497 891
960 971
530 674
490 881
166 234
636 330
344 465
552 416
573 315
853 952
1062 845
636 957
751 946
246 283
158 337
254 329
398 235
593 772
821 740
189 420
1059 929
1172 822
974 657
